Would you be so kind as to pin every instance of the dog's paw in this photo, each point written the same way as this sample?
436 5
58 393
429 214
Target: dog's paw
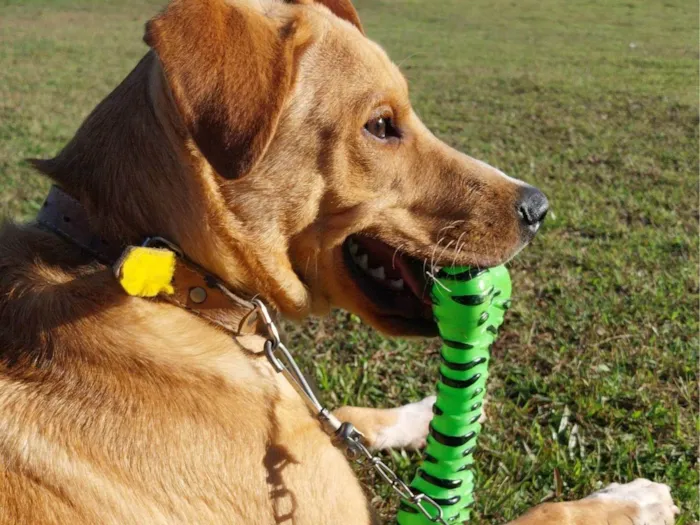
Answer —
653 501
410 429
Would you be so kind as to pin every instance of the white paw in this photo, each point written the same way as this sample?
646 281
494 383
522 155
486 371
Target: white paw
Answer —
654 502
410 430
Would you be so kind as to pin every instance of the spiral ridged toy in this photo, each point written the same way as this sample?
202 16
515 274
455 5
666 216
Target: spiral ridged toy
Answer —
468 305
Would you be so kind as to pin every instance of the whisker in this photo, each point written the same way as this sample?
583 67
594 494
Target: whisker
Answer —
432 263
437 281
454 259
393 257
432 255
450 226
447 246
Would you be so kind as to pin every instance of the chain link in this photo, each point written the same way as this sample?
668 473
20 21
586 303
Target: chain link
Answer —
351 437
420 500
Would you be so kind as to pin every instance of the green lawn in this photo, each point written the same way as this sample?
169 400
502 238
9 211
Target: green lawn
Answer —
594 377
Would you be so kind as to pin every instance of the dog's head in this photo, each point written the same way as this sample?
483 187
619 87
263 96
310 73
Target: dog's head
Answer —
295 167
345 197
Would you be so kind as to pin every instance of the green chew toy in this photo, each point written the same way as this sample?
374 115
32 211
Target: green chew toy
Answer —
468 305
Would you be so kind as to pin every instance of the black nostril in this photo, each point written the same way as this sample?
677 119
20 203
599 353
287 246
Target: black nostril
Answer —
532 206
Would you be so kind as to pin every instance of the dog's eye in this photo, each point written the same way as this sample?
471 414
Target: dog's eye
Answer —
381 127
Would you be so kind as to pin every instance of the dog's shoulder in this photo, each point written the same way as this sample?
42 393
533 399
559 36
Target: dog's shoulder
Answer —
97 387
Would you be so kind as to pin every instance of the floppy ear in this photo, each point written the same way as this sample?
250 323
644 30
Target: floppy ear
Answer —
345 10
229 68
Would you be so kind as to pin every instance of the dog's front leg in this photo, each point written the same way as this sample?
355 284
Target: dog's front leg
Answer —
641 502
402 427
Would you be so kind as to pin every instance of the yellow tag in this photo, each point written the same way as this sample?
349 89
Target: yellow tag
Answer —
147 272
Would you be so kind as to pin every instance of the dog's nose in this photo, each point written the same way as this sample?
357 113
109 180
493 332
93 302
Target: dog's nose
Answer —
532 207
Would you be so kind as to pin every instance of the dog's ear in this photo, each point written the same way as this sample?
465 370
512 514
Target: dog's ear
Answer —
229 68
343 9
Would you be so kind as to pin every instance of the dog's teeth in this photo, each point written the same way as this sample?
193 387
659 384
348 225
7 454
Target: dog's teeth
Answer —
437 268
396 285
353 248
362 261
377 273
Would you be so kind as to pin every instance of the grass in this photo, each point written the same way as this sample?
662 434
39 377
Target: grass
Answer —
594 378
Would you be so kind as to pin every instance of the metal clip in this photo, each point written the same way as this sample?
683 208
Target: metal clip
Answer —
350 437
270 352
269 323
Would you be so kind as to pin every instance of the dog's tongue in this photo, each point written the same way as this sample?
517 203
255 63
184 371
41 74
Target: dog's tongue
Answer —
397 266
412 273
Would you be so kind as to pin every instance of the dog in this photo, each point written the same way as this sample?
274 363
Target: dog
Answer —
274 144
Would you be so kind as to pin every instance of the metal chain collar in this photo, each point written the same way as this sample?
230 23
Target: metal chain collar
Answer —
345 432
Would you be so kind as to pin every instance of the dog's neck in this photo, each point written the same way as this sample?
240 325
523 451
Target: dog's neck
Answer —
135 170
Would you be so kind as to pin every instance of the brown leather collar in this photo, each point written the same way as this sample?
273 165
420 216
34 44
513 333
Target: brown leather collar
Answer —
196 290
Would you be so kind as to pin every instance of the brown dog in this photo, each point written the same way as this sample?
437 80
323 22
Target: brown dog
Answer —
276 145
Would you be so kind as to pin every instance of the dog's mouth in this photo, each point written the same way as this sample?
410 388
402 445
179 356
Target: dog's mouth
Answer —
396 284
